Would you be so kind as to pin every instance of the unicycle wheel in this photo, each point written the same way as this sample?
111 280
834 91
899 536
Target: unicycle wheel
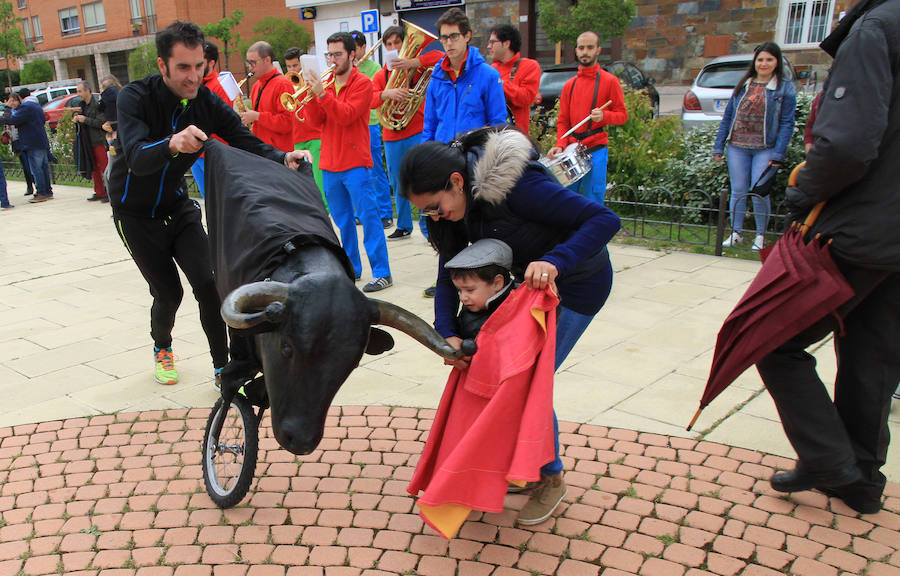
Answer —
230 446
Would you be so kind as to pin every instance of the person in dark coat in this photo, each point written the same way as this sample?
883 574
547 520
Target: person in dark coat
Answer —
26 115
90 130
852 166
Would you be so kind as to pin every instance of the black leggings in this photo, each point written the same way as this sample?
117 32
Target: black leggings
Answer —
156 245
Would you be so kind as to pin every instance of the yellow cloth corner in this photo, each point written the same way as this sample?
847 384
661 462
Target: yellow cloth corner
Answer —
446 518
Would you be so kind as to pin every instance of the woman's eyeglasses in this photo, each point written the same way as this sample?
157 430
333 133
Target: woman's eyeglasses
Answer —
429 212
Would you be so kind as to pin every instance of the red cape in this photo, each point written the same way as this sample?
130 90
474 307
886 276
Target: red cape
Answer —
494 424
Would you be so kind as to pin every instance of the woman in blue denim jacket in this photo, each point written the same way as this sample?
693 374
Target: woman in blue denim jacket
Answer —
757 125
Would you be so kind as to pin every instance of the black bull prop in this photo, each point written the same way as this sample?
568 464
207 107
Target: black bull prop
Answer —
289 294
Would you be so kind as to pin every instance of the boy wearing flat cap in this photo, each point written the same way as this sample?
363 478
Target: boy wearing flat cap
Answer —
481 275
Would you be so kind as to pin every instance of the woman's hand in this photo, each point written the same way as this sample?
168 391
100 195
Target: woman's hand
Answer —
461 363
541 274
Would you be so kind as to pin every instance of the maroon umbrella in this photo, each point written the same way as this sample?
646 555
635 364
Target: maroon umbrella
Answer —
797 285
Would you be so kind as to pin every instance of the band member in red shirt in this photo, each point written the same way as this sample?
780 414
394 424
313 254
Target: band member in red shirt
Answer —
521 76
307 134
343 107
397 142
584 95
270 121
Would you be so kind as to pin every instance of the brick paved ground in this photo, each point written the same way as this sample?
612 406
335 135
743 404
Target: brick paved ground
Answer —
123 495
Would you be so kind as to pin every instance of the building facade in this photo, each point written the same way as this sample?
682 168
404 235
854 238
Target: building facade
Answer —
92 38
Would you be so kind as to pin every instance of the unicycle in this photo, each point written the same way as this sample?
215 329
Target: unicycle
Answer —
230 447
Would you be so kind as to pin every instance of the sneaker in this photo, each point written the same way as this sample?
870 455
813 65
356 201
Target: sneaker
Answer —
545 497
94 198
165 366
399 234
429 292
7 207
759 242
39 198
387 223
378 284
732 240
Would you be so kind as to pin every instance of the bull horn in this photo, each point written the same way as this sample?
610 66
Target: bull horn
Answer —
253 297
396 317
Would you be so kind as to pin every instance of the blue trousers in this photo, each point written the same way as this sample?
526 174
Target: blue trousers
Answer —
39 162
348 192
593 184
569 327
379 178
4 199
745 166
197 169
394 151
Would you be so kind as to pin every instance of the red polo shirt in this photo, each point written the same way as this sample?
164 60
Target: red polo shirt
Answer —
275 124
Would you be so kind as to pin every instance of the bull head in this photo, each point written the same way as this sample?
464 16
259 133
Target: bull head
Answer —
323 324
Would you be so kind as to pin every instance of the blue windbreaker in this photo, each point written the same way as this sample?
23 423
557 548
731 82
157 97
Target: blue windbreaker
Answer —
473 101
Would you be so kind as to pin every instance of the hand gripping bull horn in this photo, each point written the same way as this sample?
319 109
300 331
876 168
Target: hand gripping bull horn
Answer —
396 317
267 295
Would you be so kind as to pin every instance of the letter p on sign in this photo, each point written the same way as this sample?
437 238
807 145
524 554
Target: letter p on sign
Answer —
369 21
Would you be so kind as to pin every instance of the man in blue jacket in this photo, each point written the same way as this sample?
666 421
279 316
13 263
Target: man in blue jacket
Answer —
465 92
29 119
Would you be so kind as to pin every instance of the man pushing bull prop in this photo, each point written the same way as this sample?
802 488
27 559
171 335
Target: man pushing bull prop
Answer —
289 295
164 120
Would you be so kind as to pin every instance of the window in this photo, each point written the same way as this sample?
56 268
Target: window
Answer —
21 4
36 27
805 22
68 20
135 9
26 23
94 18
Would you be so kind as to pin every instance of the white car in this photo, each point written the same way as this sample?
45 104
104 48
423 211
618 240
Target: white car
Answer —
713 86
47 94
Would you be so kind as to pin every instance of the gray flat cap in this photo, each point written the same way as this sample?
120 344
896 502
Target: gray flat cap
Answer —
482 253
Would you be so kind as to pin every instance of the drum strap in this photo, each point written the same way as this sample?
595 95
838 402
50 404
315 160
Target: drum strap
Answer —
586 133
259 94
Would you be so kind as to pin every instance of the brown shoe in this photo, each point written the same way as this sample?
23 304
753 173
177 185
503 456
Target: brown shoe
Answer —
545 497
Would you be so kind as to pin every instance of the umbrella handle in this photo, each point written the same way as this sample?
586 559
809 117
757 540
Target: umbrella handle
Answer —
816 210
694 419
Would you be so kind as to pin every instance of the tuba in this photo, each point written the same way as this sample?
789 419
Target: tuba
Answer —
397 115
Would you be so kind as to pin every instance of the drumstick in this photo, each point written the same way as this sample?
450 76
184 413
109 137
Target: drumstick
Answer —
575 127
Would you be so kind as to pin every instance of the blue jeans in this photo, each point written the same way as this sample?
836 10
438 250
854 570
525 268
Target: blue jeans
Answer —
745 166
197 169
4 199
379 178
593 184
570 326
39 162
348 192
394 151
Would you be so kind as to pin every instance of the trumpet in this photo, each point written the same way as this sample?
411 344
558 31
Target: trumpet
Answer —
296 101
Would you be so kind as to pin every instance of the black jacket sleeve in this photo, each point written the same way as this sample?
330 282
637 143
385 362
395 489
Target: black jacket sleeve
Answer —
852 119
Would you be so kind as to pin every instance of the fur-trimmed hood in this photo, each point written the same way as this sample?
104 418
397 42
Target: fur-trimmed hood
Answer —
500 164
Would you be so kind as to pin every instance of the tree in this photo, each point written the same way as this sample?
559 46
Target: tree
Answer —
39 70
563 20
223 30
12 41
142 61
281 33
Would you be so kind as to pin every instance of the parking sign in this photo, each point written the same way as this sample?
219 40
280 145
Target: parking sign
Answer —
369 21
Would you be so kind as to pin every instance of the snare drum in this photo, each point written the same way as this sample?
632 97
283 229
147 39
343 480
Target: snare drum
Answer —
570 165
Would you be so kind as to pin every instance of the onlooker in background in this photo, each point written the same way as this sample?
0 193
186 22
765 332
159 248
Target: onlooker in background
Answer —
397 142
16 147
379 179
28 118
4 199
90 128
343 108
596 87
465 92
808 138
842 443
757 126
271 122
307 133
521 76
109 94
211 81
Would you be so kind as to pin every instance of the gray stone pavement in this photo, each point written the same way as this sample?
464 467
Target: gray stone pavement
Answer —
74 336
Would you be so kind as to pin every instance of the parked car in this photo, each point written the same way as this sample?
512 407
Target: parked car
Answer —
553 78
55 109
47 95
711 90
